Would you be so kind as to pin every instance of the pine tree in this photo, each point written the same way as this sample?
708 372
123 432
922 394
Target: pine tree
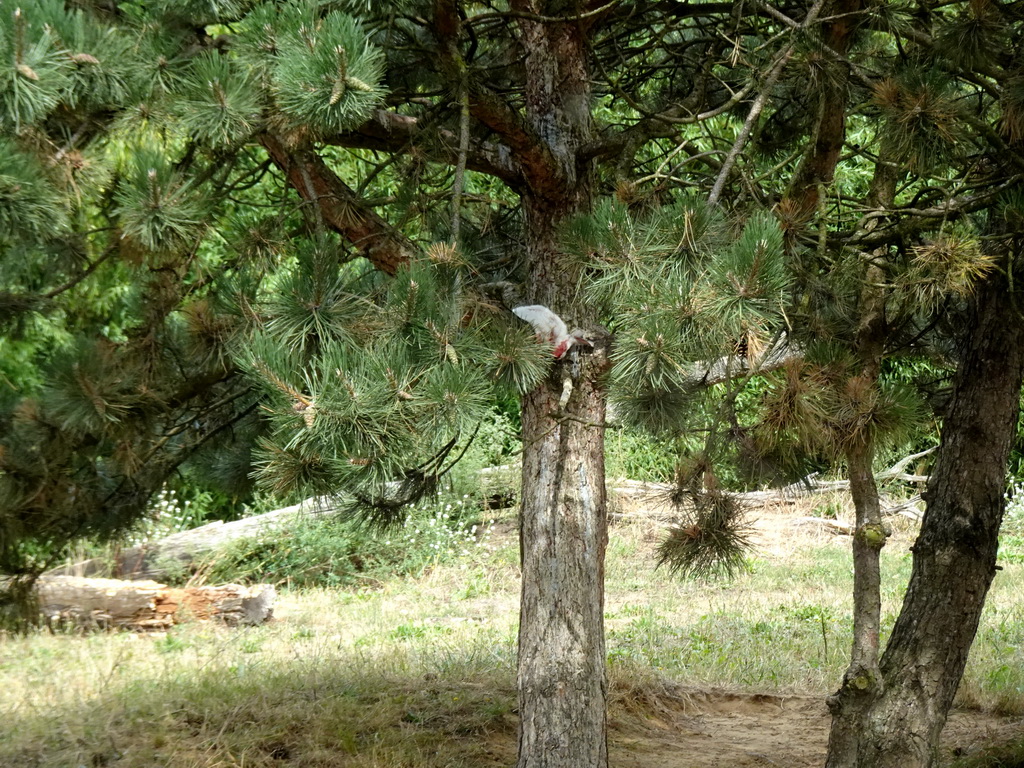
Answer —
281 242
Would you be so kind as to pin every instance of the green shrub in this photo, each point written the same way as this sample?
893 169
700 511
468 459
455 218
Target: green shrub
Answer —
326 551
639 456
490 467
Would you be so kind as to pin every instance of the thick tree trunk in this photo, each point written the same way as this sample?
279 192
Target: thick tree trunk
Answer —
562 682
955 553
561 676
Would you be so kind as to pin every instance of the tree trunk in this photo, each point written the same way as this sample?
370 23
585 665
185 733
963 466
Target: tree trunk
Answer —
561 675
147 605
861 679
561 679
955 553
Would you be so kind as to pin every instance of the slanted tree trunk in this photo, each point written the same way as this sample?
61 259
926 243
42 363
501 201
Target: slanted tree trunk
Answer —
561 675
955 553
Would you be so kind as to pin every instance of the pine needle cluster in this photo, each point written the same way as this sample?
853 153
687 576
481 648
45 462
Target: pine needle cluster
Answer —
923 125
218 103
947 268
324 74
158 209
712 541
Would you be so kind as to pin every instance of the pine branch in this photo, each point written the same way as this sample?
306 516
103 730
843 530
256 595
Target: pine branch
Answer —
758 105
460 165
539 166
110 251
522 12
394 133
910 221
338 206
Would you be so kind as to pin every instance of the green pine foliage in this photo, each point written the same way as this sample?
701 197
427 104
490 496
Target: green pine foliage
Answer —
327 75
1012 106
377 393
30 207
158 209
92 394
175 302
218 104
34 74
200 12
317 303
515 362
103 63
682 291
976 37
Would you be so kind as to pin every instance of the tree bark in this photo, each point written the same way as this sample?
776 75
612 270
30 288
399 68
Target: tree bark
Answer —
561 675
955 553
819 164
337 206
861 679
561 678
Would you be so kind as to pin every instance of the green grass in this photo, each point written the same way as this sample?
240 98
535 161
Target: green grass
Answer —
419 670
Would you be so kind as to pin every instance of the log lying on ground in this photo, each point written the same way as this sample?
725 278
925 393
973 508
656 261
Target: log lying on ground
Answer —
172 554
148 605
807 486
165 557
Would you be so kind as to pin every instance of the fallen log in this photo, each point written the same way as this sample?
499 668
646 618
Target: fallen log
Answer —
173 554
148 605
657 494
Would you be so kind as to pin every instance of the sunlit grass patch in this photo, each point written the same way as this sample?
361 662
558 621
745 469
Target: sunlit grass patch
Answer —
419 669
207 696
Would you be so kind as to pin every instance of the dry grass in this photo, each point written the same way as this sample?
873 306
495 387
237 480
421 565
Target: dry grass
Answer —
420 672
